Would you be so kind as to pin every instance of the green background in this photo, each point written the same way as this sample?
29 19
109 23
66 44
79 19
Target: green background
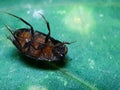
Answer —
92 62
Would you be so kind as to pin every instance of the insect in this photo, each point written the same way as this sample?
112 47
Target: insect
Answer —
37 45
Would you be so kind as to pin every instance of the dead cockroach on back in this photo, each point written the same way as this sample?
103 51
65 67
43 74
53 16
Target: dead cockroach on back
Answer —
37 45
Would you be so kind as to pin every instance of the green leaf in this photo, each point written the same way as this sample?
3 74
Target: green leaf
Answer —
93 60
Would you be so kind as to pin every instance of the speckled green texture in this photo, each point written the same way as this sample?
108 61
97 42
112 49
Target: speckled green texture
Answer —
92 62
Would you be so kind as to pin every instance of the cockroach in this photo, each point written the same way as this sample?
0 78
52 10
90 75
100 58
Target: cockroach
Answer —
37 45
